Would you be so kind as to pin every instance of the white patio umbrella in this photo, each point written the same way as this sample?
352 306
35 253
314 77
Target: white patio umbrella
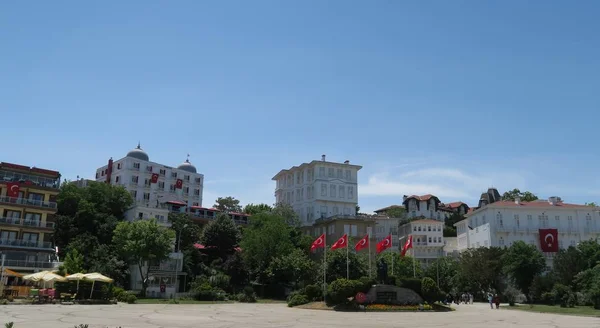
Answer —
93 277
76 276
45 276
36 276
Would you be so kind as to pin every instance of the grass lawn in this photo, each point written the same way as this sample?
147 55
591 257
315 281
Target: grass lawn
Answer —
181 301
578 310
269 301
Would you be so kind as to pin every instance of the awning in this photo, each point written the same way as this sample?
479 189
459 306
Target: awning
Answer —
176 202
11 273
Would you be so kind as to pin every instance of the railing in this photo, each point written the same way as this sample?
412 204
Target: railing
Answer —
35 180
28 264
25 201
27 223
25 243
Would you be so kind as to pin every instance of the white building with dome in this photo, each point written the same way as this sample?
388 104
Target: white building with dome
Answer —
175 188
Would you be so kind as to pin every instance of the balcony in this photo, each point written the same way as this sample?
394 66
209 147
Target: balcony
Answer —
36 181
20 243
27 202
26 223
29 264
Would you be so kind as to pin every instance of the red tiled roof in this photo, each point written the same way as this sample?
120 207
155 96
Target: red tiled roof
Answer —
423 198
176 202
455 204
387 208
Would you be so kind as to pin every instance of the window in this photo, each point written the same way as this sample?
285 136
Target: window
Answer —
197 192
32 219
331 229
146 182
149 168
321 172
415 228
172 187
301 193
13 214
439 228
370 231
347 210
573 243
134 179
332 191
353 230
429 239
323 211
350 192
173 174
30 237
483 220
419 228
570 221
335 210
161 185
186 190
339 173
163 172
501 241
298 178
348 175
136 166
96 175
186 177
517 222
195 204
428 228
117 178
8 235
297 194
133 194
118 166
146 196
330 172
342 192
292 197
197 180
323 189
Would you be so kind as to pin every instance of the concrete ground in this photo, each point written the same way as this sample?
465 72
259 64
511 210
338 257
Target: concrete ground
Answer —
272 315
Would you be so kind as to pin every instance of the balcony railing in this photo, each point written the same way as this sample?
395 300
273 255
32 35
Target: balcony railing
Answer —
25 243
29 202
29 264
35 180
26 223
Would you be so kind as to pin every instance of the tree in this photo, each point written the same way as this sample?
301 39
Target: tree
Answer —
567 264
228 204
186 231
403 265
442 270
73 262
294 269
522 262
143 243
592 204
430 291
222 236
525 196
265 239
480 270
336 265
252 209
288 214
396 212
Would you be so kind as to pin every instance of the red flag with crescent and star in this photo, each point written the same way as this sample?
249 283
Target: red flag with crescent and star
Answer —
318 243
362 244
384 244
179 184
12 189
154 178
340 243
549 240
407 246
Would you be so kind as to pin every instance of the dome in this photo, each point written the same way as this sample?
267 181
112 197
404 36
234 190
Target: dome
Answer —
187 166
138 153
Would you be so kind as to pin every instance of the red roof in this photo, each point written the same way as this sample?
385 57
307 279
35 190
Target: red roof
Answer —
176 202
424 197
455 204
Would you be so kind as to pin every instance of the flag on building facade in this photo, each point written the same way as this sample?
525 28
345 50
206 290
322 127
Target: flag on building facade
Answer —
340 243
549 240
179 184
12 189
362 244
154 178
318 243
408 245
384 244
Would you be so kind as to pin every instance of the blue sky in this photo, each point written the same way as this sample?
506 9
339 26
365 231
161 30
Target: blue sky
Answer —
442 97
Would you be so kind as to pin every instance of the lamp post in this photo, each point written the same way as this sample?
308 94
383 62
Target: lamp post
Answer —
177 261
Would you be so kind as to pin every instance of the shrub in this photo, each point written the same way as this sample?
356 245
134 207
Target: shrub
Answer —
511 294
131 299
313 292
547 298
366 284
248 296
119 294
340 290
429 290
563 296
413 284
594 296
297 299
205 292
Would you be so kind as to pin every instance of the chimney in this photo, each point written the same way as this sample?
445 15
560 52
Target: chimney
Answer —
553 200
346 162
518 200
323 157
404 198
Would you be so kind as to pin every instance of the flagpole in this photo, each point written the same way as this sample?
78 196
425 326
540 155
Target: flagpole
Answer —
392 249
368 240
414 266
325 266
347 262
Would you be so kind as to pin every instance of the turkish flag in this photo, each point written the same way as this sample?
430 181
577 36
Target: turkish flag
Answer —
340 243
179 184
362 244
407 246
549 240
12 189
384 244
154 178
318 243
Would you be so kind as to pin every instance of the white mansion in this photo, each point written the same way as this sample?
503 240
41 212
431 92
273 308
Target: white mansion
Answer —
319 189
501 223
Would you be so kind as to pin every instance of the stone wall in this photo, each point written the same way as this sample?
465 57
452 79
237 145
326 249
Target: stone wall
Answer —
388 294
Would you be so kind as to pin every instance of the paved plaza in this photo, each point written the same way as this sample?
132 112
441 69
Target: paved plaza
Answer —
272 315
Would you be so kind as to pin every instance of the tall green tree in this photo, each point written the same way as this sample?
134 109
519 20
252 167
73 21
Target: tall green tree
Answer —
221 236
480 269
396 212
567 264
252 209
228 204
522 262
336 265
73 262
143 243
295 269
265 239
288 214
403 265
442 270
525 196
186 231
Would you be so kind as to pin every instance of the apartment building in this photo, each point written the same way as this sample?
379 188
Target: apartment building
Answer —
428 239
430 207
27 217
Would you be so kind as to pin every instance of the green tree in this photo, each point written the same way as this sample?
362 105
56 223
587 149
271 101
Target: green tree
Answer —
143 243
525 196
567 264
266 238
522 262
590 251
403 265
442 270
221 235
396 212
336 265
288 214
453 219
228 204
430 291
186 231
252 209
592 204
480 270
294 269
73 262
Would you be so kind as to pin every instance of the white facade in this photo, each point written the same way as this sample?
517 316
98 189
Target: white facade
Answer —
134 173
427 237
502 223
385 226
430 207
319 189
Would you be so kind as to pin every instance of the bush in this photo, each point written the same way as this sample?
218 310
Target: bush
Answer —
547 298
430 291
340 290
313 293
205 292
511 294
248 296
367 283
298 299
413 284
593 296
131 299
119 294
564 296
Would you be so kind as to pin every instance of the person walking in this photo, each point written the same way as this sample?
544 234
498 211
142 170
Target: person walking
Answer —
470 298
491 300
497 301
